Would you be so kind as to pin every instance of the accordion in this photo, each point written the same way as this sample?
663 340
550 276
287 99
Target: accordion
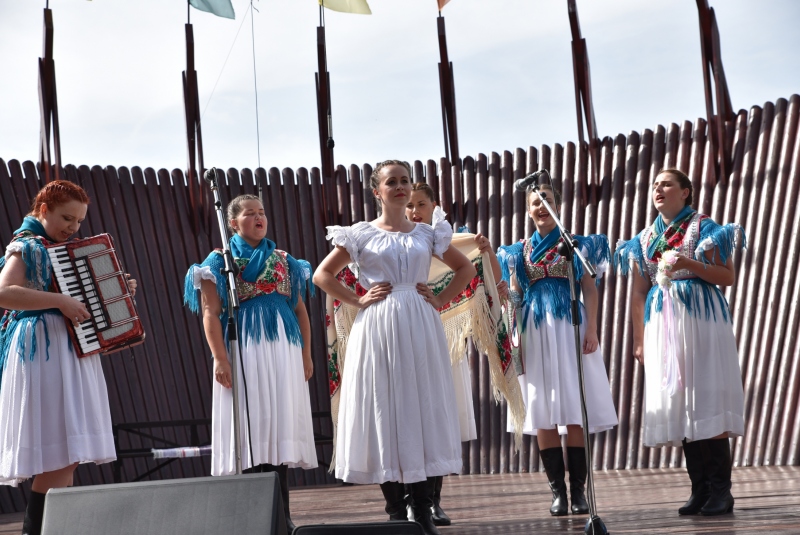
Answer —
89 271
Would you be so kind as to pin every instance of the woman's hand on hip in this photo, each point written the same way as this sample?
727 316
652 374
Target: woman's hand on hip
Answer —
378 292
425 291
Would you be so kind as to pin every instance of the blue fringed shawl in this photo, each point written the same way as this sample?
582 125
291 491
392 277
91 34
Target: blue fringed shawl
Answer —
258 316
38 270
550 294
696 295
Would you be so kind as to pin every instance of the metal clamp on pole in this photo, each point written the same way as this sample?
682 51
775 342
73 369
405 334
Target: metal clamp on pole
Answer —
569 248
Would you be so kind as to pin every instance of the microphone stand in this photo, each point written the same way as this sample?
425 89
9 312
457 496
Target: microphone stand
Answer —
568 247
231 270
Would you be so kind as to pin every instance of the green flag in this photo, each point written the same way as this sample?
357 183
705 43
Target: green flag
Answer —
220 8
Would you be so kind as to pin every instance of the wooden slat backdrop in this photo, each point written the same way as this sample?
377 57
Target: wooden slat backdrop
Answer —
169 376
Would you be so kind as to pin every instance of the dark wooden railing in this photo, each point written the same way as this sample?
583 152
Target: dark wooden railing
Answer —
168 378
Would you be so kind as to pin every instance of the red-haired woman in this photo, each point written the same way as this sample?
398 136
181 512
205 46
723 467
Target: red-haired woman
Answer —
54 409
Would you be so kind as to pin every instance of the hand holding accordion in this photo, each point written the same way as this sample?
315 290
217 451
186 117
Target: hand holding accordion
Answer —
89 271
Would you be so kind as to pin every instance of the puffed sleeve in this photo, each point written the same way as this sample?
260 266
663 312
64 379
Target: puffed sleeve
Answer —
508 256
594 248
719 237
628 254
38 268
442 232
300 273
210 269
344 237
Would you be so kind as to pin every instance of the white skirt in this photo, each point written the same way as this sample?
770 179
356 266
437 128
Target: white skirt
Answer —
398 419
711 400
280 409
550 386
54 411
462 382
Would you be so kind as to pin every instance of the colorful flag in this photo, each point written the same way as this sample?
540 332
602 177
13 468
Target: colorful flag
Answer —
359 7
220 8
442 3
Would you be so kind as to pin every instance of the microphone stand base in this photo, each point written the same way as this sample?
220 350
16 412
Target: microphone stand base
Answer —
595 526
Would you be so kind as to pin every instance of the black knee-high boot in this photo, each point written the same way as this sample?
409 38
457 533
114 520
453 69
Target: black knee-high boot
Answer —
553 461
283 476
422 492
440 518
576 457
695 454
718 470
32 525
394 494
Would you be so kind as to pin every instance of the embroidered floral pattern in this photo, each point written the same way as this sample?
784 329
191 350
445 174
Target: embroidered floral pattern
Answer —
551 264
672 238
505 347
273 278
680 237
466 294
334 378
349 280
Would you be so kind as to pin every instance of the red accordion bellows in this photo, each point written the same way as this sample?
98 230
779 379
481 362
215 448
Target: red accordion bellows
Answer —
89 271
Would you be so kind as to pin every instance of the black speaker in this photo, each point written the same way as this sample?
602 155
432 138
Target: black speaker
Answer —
246 504
371 528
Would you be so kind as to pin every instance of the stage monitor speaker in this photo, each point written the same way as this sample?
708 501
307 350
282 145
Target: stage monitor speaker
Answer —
372 528
244 505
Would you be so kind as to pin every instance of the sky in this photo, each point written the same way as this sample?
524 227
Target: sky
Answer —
119 64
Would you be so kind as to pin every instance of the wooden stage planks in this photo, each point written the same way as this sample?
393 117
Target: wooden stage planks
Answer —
629 501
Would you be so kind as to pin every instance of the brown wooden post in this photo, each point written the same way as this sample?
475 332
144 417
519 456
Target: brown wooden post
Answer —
584 105
50 163
194 138
712 68
447 91
325 125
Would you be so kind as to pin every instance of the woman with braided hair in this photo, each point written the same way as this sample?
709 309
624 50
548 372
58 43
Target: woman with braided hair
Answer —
397 421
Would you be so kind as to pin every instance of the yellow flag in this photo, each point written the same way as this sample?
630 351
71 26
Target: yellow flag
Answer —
442 3
359 7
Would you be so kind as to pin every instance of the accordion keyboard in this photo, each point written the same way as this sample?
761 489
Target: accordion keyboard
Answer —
75 280
89 271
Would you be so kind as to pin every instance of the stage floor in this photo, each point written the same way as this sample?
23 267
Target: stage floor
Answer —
629 501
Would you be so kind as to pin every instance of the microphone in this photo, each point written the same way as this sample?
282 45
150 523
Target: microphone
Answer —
211 175
523 183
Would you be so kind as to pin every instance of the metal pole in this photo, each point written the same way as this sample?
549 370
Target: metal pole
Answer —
230 271
567 248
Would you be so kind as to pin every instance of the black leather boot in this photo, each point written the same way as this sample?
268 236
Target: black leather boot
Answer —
394 494
440 518
283 476
422 492
409 503
695 454
553 461
718 470
34 513
576 457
